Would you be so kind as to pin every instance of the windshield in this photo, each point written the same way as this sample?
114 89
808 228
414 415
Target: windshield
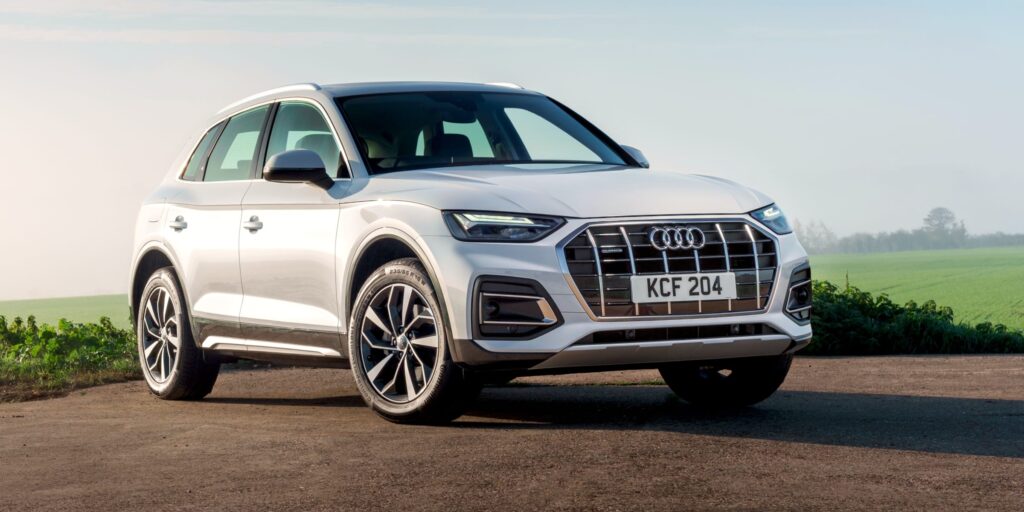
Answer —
403 131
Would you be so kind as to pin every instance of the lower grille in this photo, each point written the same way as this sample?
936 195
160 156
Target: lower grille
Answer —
602 258
676 333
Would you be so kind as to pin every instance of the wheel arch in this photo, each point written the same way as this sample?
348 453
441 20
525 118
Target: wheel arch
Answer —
378 248
151 258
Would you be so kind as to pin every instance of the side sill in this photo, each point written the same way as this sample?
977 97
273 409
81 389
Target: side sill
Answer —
270 347
275 352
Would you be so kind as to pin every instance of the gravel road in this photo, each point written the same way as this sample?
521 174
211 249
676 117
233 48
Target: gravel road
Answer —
937 433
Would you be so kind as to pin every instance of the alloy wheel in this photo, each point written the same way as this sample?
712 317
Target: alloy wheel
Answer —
399 345
161 335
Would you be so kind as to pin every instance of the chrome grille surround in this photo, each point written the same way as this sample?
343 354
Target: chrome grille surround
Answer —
599 258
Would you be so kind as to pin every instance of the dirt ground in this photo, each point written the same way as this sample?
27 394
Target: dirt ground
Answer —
912 433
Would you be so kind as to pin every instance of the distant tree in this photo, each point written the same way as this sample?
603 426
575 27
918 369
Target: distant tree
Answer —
815 237
940 220
941 230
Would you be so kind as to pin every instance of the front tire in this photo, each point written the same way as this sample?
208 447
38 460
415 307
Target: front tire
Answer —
728 383
173 366
398 347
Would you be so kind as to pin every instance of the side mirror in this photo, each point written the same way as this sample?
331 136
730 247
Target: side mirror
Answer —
297 166
638 156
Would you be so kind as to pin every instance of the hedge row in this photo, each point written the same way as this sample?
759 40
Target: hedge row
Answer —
848 321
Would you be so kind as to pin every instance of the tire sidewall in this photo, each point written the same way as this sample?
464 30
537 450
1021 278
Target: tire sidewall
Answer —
163 278
413 274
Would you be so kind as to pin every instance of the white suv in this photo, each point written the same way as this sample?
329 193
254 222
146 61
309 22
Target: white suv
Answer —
436 237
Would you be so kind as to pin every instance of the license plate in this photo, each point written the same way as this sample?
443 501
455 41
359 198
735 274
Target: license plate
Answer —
683 287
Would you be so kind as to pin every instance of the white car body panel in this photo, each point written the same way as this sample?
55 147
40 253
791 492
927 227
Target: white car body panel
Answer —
300 223
207 249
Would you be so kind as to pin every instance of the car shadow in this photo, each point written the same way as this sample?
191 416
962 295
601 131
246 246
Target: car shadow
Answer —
969 426
330 401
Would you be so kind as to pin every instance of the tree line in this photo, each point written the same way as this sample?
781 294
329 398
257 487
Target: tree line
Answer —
940 230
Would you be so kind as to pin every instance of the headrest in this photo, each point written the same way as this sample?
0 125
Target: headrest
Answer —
317 141
451 145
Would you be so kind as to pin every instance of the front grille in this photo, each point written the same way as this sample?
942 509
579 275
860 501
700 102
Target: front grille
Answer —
602 258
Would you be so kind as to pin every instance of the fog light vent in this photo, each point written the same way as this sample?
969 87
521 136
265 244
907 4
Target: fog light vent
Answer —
508 309
512 308
800 298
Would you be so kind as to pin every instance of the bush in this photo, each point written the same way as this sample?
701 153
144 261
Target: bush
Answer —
848 321
47 358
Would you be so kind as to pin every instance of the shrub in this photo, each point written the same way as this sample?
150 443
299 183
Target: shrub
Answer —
53 358
848 321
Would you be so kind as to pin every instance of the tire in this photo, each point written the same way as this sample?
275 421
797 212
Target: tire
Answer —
398 341
729 383
174 368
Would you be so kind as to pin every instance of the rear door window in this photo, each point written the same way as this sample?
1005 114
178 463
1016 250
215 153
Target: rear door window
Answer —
234 155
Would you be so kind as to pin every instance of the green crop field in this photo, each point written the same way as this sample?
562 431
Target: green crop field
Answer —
75 309
981 285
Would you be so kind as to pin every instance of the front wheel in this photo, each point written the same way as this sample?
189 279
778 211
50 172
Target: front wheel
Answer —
727 383
398 346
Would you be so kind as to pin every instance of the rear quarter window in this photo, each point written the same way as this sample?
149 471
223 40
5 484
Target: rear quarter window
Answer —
193 170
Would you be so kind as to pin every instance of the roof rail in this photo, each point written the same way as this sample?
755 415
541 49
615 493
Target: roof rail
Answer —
294 87
510 85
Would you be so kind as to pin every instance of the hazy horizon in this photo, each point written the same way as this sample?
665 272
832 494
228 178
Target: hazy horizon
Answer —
861 116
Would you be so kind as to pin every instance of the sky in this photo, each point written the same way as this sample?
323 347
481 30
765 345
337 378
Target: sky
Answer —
861 115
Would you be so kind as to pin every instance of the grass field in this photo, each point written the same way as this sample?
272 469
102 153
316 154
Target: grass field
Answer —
981 285
75 309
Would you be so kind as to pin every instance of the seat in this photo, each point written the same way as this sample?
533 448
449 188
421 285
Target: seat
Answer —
323 144
451 145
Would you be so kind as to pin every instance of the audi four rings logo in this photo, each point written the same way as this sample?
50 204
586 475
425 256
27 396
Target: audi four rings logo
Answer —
672 238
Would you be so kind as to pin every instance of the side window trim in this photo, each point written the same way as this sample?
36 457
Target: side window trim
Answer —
264 141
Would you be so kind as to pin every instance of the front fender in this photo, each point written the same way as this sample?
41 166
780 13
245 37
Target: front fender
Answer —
379 225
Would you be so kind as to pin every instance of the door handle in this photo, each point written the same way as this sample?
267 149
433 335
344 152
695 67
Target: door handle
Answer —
253 224
178 223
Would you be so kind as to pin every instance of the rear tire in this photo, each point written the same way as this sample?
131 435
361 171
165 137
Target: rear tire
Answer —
728 383
398 348
173 366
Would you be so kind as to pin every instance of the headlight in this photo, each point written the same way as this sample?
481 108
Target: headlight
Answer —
773 217
500 227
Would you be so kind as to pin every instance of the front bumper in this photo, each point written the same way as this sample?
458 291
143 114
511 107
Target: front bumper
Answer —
562 347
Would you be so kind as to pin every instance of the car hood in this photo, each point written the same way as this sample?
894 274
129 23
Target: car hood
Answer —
584 191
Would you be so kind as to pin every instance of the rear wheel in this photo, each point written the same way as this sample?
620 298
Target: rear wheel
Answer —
727 383
173 366
398 346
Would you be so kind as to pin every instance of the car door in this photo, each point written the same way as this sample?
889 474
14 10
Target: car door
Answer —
204 218
287 242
